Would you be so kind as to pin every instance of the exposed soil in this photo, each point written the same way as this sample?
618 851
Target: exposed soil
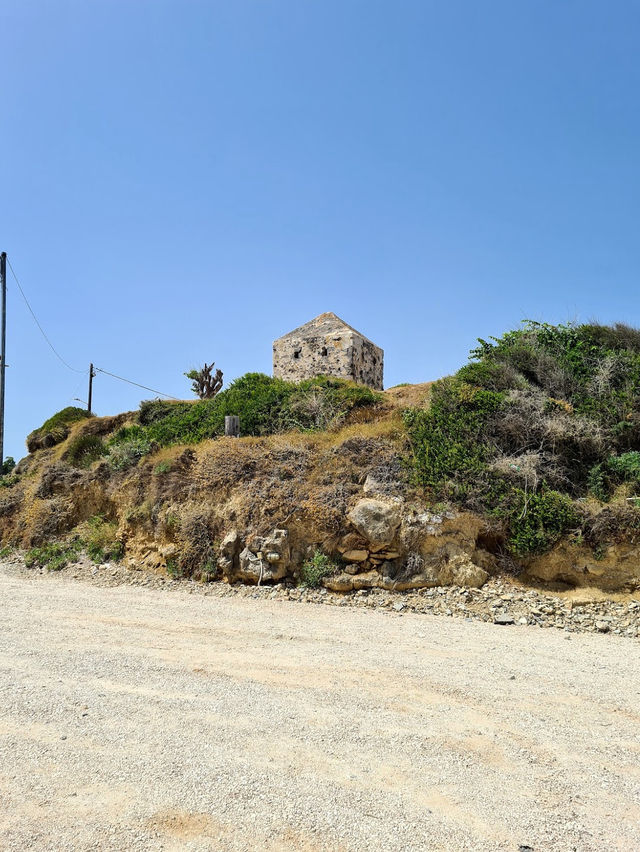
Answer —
144 719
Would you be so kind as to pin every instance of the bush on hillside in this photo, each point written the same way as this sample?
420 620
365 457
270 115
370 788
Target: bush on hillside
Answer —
128 446
543 415
100 538
84 450
264 404
7 466
56 429
606 476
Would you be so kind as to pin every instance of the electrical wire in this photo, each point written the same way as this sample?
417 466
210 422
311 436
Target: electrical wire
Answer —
59 356
74 398
35 318
128 381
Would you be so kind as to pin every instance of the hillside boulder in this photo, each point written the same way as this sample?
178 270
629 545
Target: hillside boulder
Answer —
376 520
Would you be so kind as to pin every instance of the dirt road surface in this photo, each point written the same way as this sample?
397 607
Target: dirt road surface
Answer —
133 719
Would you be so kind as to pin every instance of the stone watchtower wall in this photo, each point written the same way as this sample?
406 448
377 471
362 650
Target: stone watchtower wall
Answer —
328 346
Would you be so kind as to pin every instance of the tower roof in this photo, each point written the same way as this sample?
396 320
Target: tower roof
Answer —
327 323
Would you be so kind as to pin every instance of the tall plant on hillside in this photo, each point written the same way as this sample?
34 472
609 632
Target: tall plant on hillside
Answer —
205 383
541 417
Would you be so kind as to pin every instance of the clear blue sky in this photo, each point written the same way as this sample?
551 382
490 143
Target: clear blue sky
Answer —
188 179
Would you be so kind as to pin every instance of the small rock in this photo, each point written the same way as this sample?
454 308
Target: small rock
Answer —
602 626
398 606
503 618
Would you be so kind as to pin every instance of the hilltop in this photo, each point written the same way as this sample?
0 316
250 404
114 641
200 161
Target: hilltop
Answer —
525 462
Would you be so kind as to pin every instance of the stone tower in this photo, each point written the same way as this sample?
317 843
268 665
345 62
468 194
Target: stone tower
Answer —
327 346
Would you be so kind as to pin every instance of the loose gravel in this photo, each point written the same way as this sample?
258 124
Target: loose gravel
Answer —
141 714
501 601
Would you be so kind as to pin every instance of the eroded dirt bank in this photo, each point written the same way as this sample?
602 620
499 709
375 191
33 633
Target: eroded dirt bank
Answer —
136 719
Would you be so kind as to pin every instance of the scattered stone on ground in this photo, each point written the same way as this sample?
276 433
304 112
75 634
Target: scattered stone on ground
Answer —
502 600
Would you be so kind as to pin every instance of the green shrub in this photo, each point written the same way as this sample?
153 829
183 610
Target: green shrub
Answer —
155 410
7 466
323 403
162 467
614 471
128 446
626 467
538 521
552 412
84 450
264 404
101 541
174 570
449 440
54 430
315 569
54 556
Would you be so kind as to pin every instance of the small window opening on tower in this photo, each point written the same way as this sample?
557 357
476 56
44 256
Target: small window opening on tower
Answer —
296 353
323 351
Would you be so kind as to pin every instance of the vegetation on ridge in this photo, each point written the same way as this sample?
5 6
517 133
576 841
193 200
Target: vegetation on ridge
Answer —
56 428
539 419
539 434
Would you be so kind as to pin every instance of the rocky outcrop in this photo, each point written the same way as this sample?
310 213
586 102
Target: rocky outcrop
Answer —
376 520
574 566
264 560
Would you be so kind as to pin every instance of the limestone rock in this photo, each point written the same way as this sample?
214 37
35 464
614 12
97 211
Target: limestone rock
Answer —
376 520
367 580
470 575
348 582
254 569
229 550
355 555
276 548
230 545
338 582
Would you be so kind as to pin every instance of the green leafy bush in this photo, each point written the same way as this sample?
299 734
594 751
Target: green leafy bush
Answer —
264 404
550 412
101 541
54 430
450 439
84 450
7 466
614 471
54 556
315 569
538 521
128 446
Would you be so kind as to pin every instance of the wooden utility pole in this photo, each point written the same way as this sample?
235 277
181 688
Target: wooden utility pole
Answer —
92 375
3 346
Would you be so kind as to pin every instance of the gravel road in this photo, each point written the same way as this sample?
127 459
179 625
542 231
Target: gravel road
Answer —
137 719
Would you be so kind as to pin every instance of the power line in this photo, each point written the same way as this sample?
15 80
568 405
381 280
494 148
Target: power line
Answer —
35 318
59 356
128 381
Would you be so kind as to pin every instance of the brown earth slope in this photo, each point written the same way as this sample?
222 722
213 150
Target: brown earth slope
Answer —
255 509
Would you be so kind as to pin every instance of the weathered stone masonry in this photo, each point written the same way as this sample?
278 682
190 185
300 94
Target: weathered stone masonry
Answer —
327 346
